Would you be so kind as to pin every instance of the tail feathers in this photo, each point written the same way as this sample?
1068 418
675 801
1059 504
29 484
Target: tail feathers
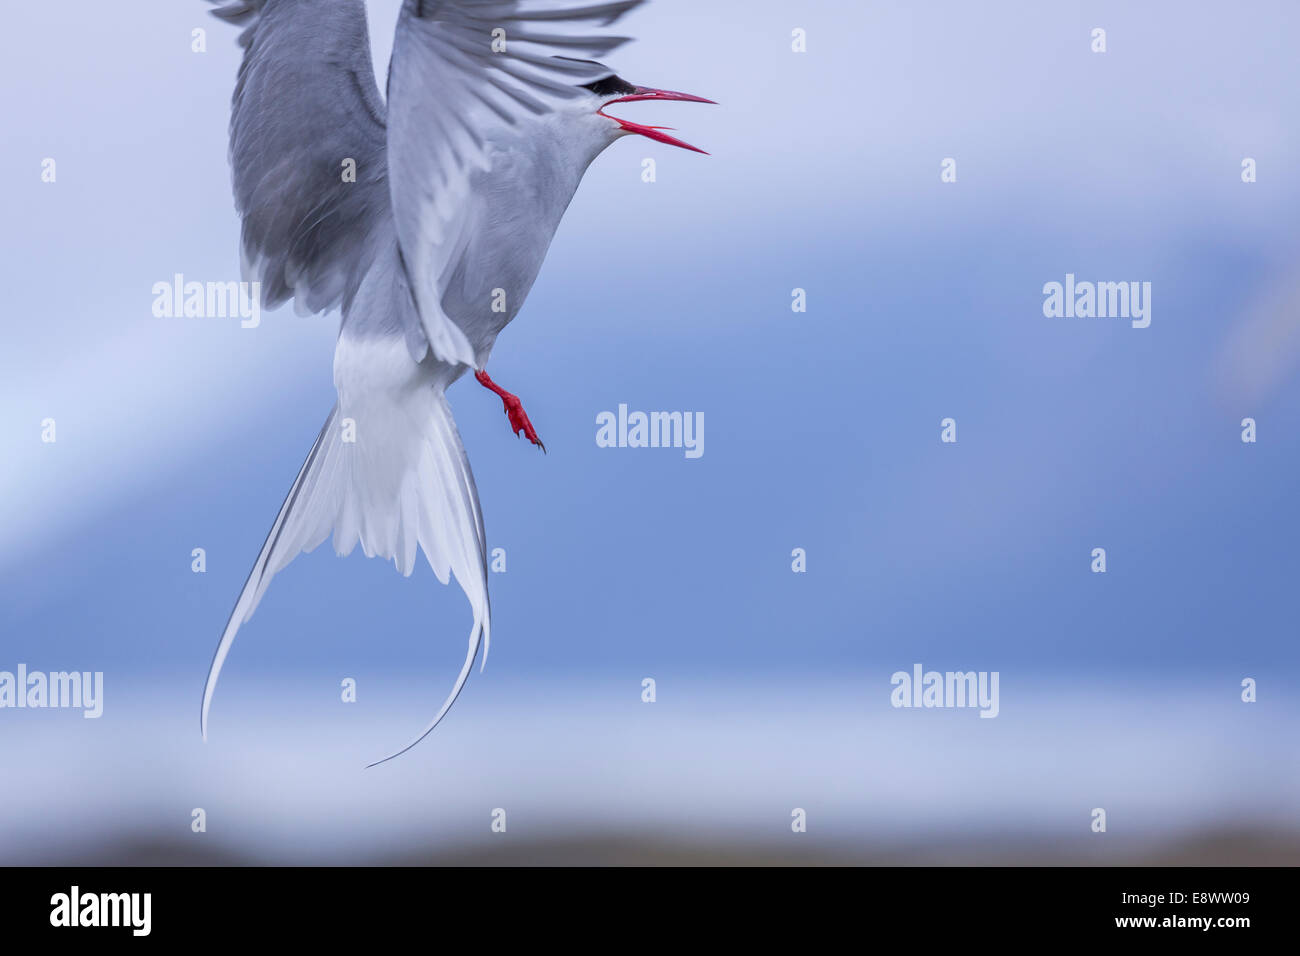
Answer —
475 638
389 474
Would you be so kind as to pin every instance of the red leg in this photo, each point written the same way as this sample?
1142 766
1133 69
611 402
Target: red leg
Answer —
514 410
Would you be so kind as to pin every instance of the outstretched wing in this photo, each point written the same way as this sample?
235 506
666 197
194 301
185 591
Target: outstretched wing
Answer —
460 70
306 116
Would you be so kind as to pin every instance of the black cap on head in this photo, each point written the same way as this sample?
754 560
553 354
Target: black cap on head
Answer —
612 85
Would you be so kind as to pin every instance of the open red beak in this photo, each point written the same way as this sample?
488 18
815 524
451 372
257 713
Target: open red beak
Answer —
654 132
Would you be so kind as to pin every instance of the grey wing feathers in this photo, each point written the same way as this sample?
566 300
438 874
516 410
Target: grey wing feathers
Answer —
305 103
460 69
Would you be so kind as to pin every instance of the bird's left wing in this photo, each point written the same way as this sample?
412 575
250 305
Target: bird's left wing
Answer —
308 152
462 69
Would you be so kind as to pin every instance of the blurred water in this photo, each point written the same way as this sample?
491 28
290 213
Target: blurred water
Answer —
282 777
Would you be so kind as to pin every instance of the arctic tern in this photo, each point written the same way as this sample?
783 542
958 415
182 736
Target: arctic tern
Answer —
460 176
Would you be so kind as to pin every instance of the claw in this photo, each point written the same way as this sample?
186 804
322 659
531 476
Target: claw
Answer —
519 420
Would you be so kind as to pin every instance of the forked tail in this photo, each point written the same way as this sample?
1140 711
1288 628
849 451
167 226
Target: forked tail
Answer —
390 474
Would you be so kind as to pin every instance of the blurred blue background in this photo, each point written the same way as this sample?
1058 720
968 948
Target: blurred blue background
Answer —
822 432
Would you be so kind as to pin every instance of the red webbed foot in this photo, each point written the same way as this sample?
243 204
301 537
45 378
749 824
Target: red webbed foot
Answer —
514 409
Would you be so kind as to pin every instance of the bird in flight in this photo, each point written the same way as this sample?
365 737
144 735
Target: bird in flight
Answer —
425 216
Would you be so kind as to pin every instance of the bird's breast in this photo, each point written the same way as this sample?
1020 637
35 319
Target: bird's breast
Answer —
517 206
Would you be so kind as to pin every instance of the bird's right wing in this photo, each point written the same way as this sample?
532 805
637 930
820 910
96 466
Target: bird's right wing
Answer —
462 69
308 149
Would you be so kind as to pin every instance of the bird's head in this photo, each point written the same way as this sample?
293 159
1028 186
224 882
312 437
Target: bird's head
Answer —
613 89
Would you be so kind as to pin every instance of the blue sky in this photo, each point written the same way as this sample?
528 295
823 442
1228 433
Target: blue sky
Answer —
822 428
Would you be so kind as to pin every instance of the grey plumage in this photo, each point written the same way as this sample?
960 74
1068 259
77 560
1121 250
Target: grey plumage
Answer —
306 100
